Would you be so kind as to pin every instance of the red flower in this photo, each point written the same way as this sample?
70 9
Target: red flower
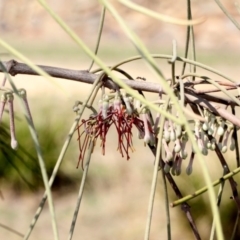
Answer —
97 127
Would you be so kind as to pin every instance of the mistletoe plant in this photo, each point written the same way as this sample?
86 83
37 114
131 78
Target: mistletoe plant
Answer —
183 123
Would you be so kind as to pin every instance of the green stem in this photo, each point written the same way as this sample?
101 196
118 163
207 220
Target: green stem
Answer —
172 61
159 16
235 227
228 14
204 189
80 194
219 198
154 183
99 36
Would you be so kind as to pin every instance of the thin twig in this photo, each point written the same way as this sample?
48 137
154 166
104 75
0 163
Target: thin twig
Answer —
227 170
204 189
154 182
11 230
219 198
228 14
80 194
235 137
192 98
99 35
184 206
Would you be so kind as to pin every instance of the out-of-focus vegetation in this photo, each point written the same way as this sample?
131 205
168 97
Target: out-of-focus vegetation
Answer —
19 169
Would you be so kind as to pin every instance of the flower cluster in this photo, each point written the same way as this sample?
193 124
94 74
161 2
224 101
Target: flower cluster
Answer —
120 112
213 132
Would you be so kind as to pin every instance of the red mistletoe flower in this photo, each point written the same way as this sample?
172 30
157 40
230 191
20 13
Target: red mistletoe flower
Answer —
117 115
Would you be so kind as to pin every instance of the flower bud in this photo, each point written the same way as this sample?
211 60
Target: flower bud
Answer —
14 143
178 131
127 102
166 168
205 126
177 147
224 149
232 144
220 130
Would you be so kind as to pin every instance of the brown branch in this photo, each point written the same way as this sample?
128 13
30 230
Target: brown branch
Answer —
89 78
185 207
80 76
193 98
224 164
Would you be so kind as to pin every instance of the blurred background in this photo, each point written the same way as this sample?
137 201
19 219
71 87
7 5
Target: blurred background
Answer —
117 192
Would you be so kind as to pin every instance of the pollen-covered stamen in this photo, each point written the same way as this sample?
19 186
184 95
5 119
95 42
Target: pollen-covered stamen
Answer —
14 143
2 105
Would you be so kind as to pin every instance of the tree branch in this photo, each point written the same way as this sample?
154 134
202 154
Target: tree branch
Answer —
80 76
86 77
